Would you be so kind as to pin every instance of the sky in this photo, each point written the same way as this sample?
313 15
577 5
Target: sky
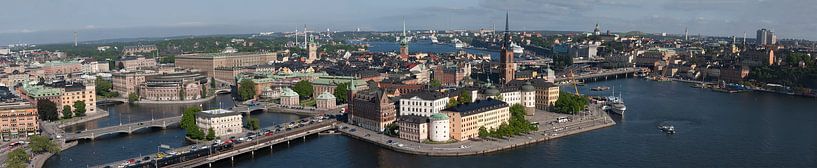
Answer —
50 21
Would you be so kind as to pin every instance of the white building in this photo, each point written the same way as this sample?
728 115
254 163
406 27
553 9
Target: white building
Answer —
422 103
223 122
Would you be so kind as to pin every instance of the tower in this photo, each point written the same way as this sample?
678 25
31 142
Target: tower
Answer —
686 34
312 49
506 57
75 39
596 31
404 52
305 37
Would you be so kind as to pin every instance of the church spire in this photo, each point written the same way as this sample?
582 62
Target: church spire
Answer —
507 38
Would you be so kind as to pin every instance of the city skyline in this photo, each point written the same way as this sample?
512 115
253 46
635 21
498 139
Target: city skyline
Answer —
95 20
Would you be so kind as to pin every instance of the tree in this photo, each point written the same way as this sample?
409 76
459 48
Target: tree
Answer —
303 88
570 103
66 112
103 87
17 158
40 144
464 98
133 97
188 123
211 134
452 102
203 91
47 110
253 123
341 92
246 89
483 133
181 93
79 108
435 83
391 130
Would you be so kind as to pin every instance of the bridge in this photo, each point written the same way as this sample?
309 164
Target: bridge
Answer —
123 128
614 73
195 158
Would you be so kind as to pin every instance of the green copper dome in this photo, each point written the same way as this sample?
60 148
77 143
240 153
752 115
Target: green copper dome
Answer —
439 116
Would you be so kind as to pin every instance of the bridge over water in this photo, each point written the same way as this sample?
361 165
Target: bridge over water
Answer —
123 128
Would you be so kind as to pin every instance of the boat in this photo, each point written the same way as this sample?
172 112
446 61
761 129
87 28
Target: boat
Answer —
457 43
616 104
600 88
434 40
667 128
517 49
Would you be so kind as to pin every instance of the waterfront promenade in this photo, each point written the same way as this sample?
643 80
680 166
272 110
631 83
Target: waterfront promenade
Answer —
548 130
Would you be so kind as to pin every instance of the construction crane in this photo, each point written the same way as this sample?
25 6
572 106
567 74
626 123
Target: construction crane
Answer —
571 79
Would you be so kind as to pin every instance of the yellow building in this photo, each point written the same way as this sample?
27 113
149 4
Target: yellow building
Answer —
466 119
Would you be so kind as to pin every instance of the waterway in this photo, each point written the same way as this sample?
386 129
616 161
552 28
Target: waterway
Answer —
714 130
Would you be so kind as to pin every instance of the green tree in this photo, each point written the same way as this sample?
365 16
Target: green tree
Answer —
435 83
181 93
133 97
189 117
66 112
341 92
211 134
79 108
483 133
253 123
47 110
464 98
246 89
103 87
391 130
17 158
303 88
570 103
41 144
452 102
203 92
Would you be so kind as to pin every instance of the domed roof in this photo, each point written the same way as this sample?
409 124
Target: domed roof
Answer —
325 96
287 92
438 116
528 87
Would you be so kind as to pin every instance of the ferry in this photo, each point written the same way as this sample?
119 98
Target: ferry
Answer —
517 49
434 40
457 43
616 104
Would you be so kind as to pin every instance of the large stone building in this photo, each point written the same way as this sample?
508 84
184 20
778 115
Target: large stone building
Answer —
325 101
132 50
413 128
131 63
126 83
61 67
329 83
223 122
467 119
439 127
371 109
17 116
208 62
289 97
546 93
175 86
424 103
63 93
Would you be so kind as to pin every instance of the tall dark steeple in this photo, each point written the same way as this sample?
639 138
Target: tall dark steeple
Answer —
404 43
506 57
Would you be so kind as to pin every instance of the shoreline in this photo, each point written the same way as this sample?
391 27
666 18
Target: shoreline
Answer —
484 146
99 114
162 102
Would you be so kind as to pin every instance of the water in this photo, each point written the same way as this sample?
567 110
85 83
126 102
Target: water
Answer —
426 46
116 147
714 130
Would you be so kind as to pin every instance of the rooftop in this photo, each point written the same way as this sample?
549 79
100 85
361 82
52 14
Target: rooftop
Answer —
217 113
477 107
415 119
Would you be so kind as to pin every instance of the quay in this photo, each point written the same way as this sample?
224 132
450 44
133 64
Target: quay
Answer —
595 119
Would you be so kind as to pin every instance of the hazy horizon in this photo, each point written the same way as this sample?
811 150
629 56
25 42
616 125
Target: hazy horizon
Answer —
54 21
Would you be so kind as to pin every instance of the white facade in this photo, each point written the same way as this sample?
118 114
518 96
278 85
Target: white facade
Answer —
439 130
223 122
418 106
529 99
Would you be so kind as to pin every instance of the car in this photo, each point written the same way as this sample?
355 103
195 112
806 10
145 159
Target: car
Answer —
352 130
131 160
390 141
146 158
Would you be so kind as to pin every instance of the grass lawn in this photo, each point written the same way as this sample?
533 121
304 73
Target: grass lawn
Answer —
308 103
